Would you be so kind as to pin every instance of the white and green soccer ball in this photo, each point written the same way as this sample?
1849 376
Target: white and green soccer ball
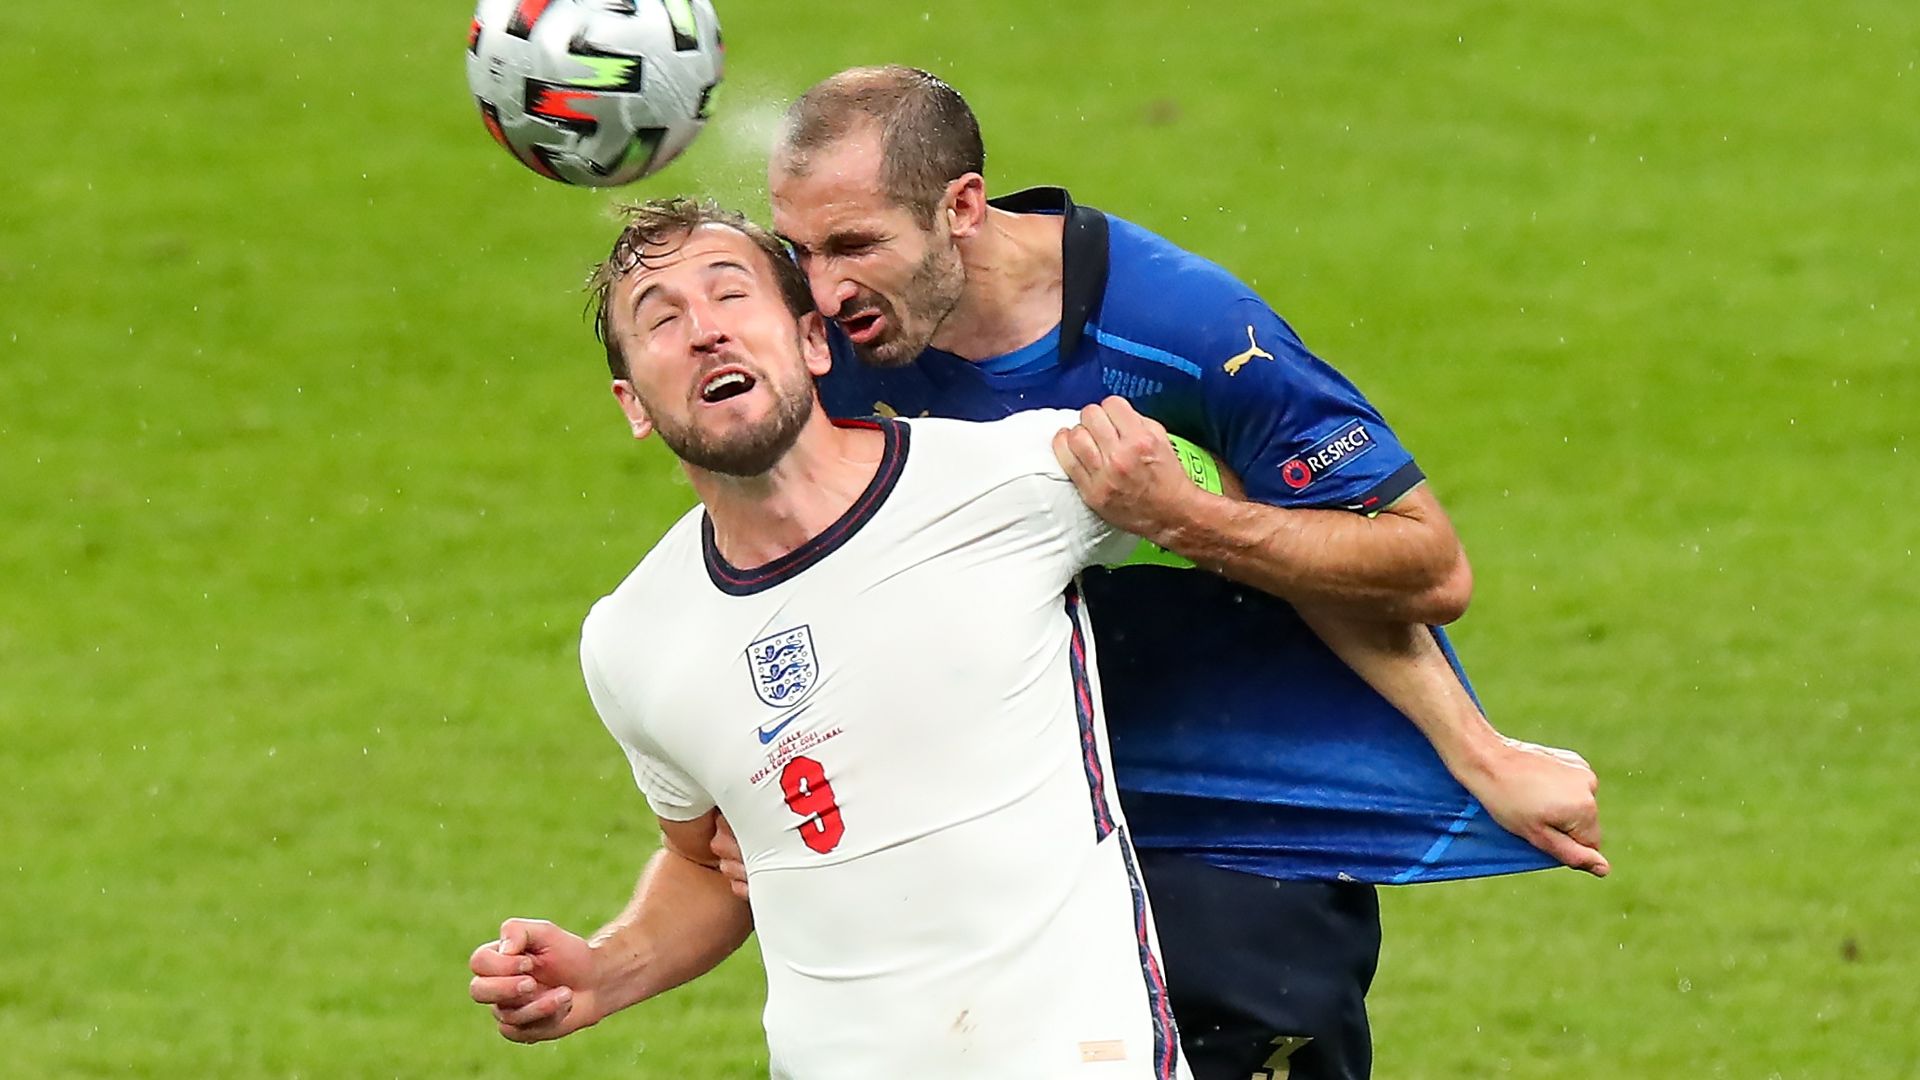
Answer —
594 92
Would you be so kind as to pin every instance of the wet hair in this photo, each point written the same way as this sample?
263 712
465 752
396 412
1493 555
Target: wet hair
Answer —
658 227
928 135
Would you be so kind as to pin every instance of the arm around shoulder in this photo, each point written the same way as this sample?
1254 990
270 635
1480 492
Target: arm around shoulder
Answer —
1402 564
1336 512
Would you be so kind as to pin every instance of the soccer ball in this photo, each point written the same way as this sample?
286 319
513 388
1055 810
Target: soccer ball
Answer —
594 92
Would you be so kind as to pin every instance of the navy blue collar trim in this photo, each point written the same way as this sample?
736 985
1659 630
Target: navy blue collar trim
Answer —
1083 257
734 581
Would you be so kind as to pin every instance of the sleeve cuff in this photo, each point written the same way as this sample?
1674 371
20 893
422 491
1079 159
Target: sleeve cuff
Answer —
1389 491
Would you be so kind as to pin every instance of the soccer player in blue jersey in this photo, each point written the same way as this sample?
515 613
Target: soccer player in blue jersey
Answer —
1271 785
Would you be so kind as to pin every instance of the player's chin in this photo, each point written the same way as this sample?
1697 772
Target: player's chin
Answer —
744 418
890 351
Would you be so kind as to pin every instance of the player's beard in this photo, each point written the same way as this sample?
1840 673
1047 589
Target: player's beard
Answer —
930 294
753 452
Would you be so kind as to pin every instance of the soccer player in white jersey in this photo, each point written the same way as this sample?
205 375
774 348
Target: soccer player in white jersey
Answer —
866 649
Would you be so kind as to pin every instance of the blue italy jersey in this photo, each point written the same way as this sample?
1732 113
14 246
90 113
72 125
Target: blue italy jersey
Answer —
1237 736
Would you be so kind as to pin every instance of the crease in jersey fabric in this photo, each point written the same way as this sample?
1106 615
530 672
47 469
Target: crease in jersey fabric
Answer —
1166 1035
734 581
1440 844
1472 810
1146 352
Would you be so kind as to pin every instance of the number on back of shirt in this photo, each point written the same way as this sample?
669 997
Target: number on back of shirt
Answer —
811 796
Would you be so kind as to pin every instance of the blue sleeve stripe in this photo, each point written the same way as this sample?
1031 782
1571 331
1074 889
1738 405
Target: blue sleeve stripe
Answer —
1440 844
1145 352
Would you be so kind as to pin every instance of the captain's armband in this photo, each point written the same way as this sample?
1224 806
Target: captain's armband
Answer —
1204 470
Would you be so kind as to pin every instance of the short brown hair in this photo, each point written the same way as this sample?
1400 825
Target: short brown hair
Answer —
656 223
928 134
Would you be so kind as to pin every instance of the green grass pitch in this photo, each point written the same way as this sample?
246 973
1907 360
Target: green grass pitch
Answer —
308 472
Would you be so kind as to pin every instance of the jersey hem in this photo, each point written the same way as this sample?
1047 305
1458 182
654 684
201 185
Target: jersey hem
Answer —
1279 868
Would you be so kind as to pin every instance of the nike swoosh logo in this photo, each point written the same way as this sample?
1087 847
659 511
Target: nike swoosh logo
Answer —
768 736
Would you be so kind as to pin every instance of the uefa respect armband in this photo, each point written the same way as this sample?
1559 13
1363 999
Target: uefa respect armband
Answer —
1204 471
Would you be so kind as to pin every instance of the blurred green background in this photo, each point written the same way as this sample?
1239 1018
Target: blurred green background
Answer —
308 473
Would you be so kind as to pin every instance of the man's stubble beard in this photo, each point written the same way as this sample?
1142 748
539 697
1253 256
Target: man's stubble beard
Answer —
928 297
753 453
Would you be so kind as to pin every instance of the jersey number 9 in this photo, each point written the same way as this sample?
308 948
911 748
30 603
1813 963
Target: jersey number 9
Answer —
811 796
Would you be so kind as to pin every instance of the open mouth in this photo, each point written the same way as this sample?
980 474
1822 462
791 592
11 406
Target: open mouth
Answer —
863 328
726 383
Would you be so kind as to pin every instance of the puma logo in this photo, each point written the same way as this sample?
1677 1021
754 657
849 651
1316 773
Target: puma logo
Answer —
1253 350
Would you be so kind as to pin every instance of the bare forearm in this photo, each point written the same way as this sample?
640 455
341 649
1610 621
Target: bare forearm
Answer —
1544 795
1393 566
683 920
1405 665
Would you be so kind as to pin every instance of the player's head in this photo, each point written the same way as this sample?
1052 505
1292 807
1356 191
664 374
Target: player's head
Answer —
711 335
875 180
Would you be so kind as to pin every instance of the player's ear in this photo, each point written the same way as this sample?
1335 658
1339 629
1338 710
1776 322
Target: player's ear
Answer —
966 206
813 344
634 410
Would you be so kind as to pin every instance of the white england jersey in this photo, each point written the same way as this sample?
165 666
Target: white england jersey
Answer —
901 722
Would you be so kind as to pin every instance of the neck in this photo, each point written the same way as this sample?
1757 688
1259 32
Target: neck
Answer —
1012 296
757 519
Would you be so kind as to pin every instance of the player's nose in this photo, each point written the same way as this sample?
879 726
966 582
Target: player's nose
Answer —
831 294
705 325
706 331
708 339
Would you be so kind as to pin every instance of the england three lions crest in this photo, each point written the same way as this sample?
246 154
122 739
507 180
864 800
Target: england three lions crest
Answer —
783 666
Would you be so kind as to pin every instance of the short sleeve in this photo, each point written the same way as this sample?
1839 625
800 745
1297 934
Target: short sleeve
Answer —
1090 540
673 795
1020 450
1094 542
1294 429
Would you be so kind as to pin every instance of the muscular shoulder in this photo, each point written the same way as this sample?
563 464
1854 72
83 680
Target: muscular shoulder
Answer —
1162 298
